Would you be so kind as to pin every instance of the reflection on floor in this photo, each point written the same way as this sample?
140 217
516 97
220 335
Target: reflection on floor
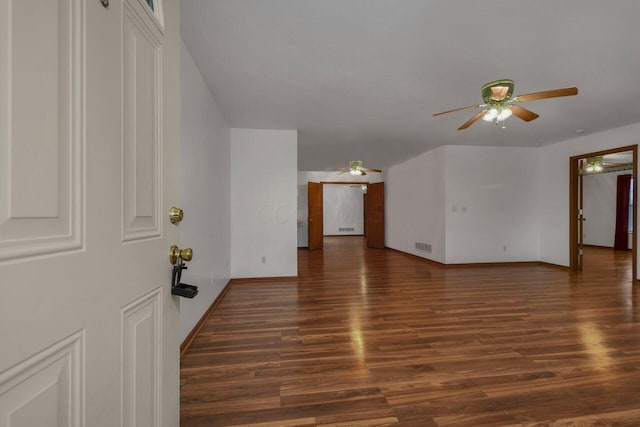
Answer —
599 260
374 337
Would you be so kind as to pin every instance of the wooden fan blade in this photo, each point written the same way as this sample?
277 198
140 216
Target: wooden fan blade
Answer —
616 164
523 113
371 170
362 172
472 120
341 172
459 109
568 91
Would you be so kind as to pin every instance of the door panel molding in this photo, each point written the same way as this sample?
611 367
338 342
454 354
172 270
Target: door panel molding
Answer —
141 127
47 386
141 379
41 184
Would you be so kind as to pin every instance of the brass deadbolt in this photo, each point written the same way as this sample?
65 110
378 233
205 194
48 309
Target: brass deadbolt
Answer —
183 254
175 215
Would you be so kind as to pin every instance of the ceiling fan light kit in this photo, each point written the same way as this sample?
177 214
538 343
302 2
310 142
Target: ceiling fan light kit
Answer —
356 169
500 104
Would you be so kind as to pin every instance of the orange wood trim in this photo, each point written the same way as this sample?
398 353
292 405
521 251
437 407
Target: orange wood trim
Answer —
634 235
481 264
245 280
605 152
194 332
315 212
573 214
374 214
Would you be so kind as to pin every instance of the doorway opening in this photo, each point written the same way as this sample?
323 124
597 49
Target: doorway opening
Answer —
372 214
603 212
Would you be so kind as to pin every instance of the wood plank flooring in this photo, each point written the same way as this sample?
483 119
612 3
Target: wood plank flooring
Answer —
373 337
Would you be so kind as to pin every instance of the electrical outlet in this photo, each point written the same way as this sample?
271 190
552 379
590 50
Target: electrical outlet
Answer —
213 278
264 259
504 248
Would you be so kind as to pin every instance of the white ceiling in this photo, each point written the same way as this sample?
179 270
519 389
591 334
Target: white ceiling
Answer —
360 79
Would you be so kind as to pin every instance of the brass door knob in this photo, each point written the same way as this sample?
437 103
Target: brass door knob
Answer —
183 254
175 215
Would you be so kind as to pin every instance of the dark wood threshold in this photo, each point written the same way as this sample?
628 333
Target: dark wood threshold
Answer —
480 264
192 335
344 235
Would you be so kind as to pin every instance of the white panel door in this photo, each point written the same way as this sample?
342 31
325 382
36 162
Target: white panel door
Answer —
88 151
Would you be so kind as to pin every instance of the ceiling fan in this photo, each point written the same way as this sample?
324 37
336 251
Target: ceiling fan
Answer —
500 105
356 168
599 164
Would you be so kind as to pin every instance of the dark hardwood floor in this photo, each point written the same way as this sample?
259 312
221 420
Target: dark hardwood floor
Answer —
373 337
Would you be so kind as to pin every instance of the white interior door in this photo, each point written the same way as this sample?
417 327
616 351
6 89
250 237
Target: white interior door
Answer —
88 146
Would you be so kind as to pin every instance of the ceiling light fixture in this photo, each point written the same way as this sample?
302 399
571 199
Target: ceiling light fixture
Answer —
355 167
497 113
594 164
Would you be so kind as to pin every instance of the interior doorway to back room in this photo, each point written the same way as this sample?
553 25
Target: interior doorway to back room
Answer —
603 208
341 209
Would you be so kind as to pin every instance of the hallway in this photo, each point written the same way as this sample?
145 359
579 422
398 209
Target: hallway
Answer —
374 337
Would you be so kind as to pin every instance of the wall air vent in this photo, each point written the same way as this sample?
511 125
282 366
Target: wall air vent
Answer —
345 229
424 247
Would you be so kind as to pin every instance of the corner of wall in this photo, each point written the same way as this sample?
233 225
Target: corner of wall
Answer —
205 176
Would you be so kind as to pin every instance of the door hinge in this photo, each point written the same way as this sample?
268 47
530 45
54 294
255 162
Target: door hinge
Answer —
580 251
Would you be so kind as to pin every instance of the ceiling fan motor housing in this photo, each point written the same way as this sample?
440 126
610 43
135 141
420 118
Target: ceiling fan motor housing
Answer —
498 91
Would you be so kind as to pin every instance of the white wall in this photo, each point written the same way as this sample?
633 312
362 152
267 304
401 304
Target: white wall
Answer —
599 204
204 192
343 208
491 204
263 203
415 205
554 186
304 177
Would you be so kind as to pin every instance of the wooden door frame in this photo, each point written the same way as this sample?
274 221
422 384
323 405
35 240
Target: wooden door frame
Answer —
573 205
322 183
375 235
311 215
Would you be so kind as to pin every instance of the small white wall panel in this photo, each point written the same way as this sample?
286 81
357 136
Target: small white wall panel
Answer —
40 142
46 389
141 367
141 129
